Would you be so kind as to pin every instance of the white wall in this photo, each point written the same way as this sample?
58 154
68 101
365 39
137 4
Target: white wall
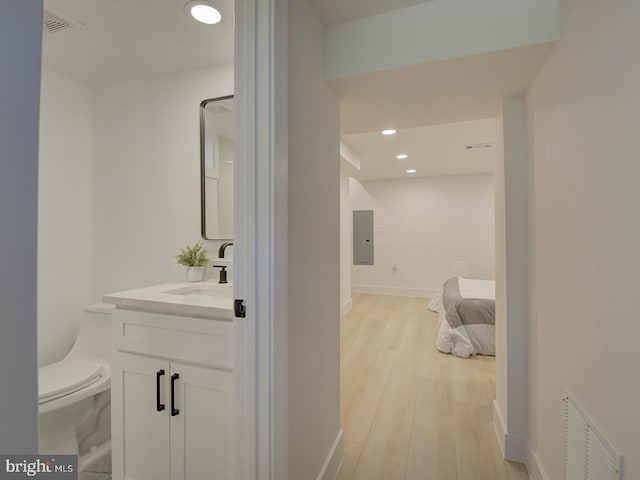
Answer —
423 226
314 253
64 213
433 31
146 177
501 402
511 204
345 245
20 49
584 113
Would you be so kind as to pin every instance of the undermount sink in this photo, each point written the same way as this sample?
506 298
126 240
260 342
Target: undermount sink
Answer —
208 291
203 299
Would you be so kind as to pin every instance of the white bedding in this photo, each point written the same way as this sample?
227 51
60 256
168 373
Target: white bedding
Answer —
436 302
472 288
466 340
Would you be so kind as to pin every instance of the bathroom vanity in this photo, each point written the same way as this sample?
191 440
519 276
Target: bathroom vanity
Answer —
173 383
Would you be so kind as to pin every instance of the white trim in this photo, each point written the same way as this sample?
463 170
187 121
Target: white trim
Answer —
244 348
396 291
534 466
260 212
279 225
513 446
346 308
498 425
332 463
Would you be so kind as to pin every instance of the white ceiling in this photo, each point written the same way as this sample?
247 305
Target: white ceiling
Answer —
438 108
435 106
448 91
432 150
333 12
124 39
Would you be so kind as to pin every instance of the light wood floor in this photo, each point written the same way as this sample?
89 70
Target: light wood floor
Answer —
410 412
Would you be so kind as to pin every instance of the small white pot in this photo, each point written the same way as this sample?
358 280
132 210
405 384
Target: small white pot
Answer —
196 274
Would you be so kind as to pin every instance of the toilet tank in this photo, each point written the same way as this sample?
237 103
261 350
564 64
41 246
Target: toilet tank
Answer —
94 337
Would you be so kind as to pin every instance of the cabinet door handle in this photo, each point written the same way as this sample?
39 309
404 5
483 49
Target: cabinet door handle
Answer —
174 410
159 405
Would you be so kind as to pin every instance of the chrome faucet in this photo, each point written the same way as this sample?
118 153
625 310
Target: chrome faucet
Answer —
223 268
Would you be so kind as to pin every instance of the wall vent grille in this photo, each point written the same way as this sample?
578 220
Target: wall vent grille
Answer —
588 455
55 22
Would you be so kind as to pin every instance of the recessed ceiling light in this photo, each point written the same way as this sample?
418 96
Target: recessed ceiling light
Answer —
412 170
389 131
203 12
402 156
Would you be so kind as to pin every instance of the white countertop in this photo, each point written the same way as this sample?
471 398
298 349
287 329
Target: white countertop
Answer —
200 299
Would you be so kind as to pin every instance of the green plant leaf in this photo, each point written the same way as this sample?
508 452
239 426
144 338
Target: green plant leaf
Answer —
196 256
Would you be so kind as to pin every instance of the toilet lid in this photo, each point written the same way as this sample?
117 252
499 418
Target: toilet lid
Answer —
65 377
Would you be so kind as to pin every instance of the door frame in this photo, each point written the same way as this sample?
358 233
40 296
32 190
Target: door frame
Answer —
261 234
260 243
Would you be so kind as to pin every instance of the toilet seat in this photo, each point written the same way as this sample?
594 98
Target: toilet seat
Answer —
66 377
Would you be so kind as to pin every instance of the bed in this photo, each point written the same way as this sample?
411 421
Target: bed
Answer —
467 313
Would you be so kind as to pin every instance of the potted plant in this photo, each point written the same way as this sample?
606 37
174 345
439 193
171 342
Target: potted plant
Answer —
196 259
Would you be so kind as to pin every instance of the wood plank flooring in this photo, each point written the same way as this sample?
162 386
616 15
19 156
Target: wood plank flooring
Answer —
410 412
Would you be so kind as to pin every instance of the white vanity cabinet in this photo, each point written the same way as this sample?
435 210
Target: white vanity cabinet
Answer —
172 397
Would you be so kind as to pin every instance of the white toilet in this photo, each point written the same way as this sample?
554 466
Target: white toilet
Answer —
69 389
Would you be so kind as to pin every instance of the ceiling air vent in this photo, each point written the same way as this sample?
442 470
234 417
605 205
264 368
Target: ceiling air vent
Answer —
55 22
478 146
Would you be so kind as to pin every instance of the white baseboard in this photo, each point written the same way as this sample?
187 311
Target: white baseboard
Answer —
346 308
498 425
534 466
513 446
395 291
332 464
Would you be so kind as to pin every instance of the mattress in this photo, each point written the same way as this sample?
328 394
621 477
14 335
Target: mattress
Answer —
466 324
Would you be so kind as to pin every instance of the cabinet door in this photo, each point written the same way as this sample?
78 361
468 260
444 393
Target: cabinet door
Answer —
140 433
202 439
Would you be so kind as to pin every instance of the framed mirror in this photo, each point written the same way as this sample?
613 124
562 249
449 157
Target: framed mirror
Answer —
217 141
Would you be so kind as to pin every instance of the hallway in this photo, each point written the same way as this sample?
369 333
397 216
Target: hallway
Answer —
408 411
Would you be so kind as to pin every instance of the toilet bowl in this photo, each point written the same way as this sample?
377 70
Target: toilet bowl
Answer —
68 389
